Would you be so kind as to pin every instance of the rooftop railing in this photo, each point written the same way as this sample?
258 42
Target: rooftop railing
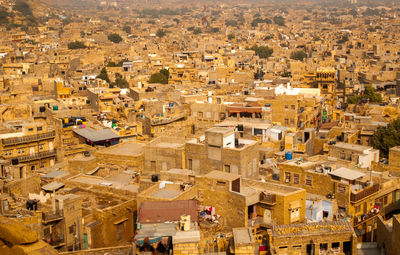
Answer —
28 138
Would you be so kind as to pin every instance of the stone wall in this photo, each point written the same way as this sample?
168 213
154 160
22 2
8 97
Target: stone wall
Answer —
25 186
186 248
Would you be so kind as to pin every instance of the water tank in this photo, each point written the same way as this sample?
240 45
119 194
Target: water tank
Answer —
31 205
14 161
288 155
154 178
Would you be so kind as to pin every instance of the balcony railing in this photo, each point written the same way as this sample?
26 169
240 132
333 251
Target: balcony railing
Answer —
365 193
39 155
29 138
267 198
167 120
50 217
360 219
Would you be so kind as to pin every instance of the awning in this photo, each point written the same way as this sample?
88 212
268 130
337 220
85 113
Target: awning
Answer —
120 221
53 186
244 109
294 205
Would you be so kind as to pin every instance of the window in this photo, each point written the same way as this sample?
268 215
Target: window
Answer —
286 121
293 106
40 146
309 180
286 106
200 115
294 214
30 129
336 246
341 188
120 230
67 141
385 200
39 128
190 164
291 121
358 208
323 247
296 179
221 183
71 229
342 156
287 177
8 153
227 168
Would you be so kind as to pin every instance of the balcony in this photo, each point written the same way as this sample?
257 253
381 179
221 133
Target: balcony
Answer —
355 197
35 156
29 138
363 218
267 198
51 217
167 120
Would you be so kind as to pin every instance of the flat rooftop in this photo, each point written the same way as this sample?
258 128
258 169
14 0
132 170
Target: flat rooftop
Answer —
243 235
167 142
166 193
350 146
169 145
124 149
119 181
220 130
219 175
270 187
307 229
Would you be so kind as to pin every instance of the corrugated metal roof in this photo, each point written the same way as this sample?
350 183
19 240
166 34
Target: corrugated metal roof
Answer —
347 174
162 211
53 186
96 135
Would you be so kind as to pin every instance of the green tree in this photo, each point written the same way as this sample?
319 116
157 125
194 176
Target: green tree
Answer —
279 20
213 30
356 99
197 31
127 29
369 94
25 9
343 39
160 77
372 95
262 51
103 75
298 55
165 72
387 137
161 33
4 15
231 23
115 38
76 45
120 81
